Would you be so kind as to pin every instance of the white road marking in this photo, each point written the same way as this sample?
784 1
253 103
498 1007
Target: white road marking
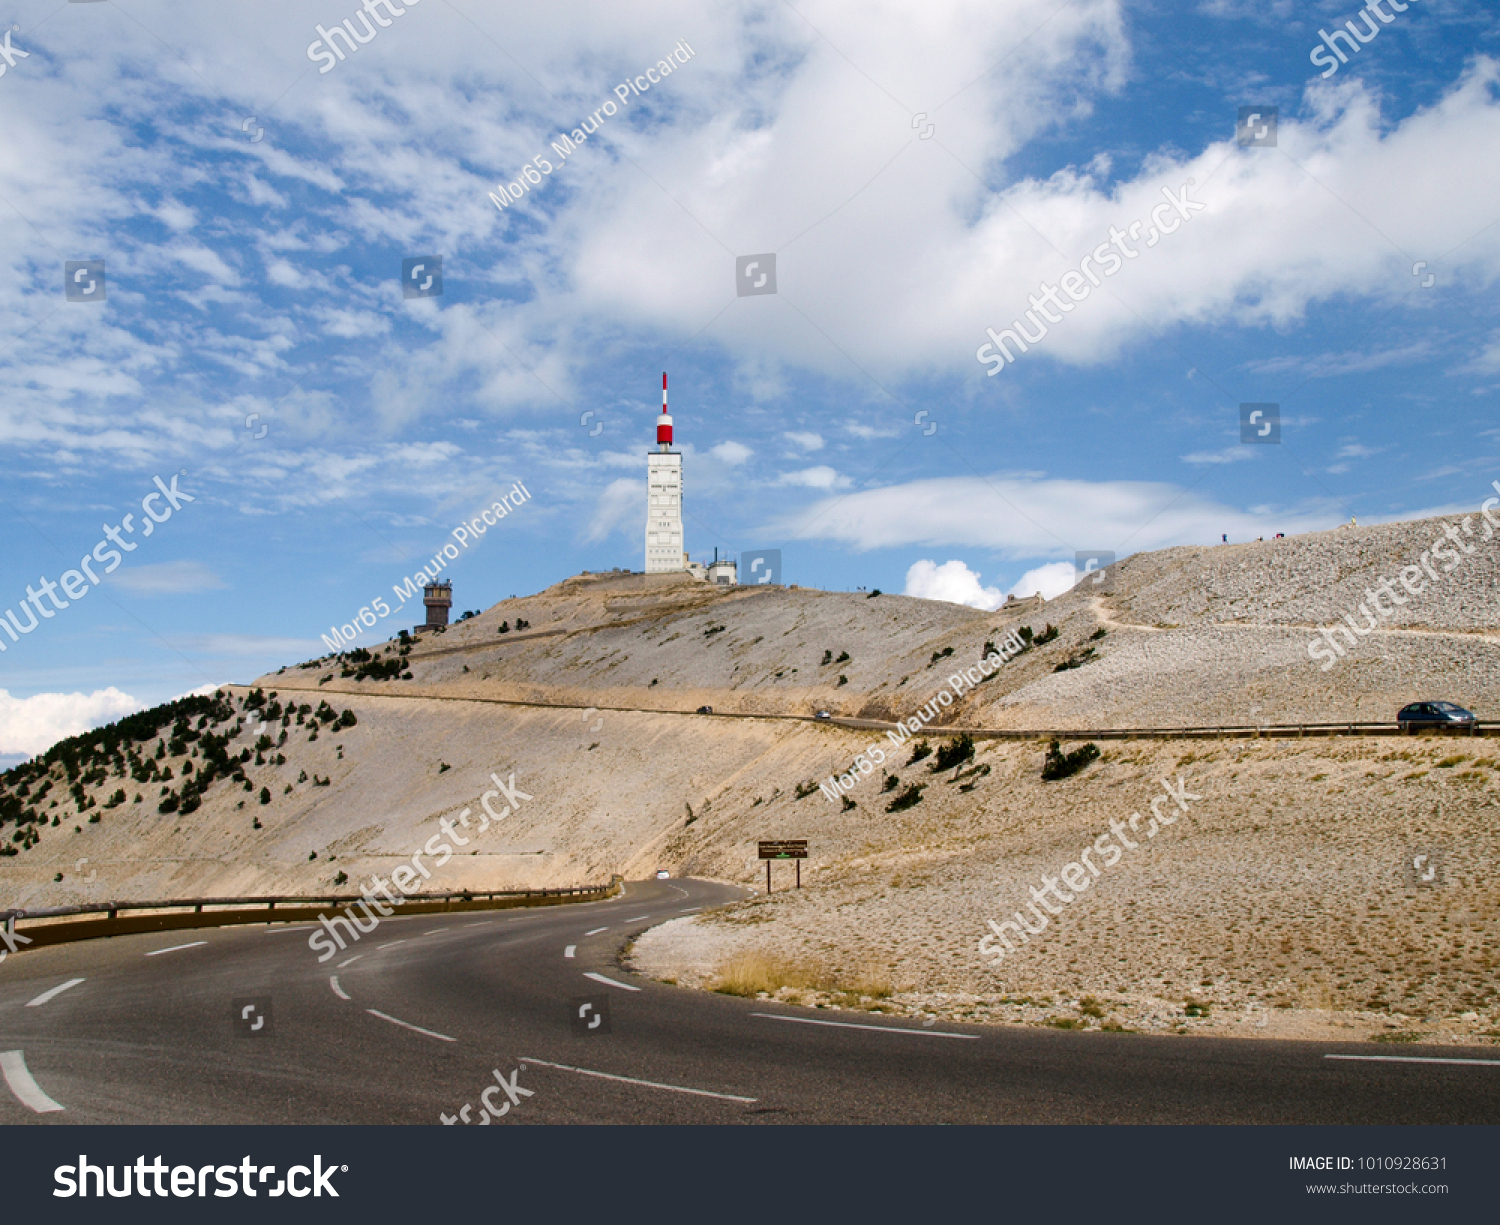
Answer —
276 931
350 960
409 1025
596 931
435 931
175 948
599 978
13 1067
1489 1063
333 981
879 1029
481 923
631 1080
567 952
689 909
638 918
391 945
58 990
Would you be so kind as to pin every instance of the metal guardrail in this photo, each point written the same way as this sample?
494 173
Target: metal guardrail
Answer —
1283 731
186 913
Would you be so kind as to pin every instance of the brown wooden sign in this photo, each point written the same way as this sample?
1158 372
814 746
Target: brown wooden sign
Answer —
786 848
792 848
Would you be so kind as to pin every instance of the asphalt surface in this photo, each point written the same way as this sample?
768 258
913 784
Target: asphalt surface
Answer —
424 1014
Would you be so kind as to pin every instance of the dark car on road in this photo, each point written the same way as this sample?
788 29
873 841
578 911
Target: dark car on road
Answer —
1421 715
705 710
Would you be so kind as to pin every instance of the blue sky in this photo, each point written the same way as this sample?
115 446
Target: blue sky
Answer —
917 171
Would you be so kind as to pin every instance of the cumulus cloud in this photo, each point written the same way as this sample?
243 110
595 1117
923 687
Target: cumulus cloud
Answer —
952 582
807 441
1048 581
821 477
729 452
32 725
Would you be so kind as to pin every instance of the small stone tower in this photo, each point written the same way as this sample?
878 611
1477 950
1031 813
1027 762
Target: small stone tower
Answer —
438 599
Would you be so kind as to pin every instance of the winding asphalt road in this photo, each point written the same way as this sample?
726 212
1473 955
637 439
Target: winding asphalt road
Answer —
423 1015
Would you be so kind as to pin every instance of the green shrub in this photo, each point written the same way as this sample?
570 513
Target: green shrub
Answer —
911 796
920 750
1063 765
954 753
1076 660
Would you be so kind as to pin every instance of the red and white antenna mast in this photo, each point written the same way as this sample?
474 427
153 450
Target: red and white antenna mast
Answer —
664 422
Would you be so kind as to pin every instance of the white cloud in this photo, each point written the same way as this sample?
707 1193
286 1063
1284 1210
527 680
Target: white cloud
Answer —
32 725
1048 581
952 582
729 452
168 578
1228 455
808 442
821 477
1025 517
621 506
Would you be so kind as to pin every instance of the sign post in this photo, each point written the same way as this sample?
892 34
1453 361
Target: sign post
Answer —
788 848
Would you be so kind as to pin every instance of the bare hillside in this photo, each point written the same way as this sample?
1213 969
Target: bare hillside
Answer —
1288 887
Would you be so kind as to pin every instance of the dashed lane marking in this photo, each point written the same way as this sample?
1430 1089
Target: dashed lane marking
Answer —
631 1080
392 944
880 1029
1489 1063
689 909
333 981
599 978
596 931
570 950
13 1067
176 948
638 918
408 1025
57 990
276 931
349 961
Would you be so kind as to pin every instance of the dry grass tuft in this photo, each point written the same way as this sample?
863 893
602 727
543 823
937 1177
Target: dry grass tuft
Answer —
750 973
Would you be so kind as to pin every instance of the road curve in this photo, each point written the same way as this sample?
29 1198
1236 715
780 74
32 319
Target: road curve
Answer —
427 1015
